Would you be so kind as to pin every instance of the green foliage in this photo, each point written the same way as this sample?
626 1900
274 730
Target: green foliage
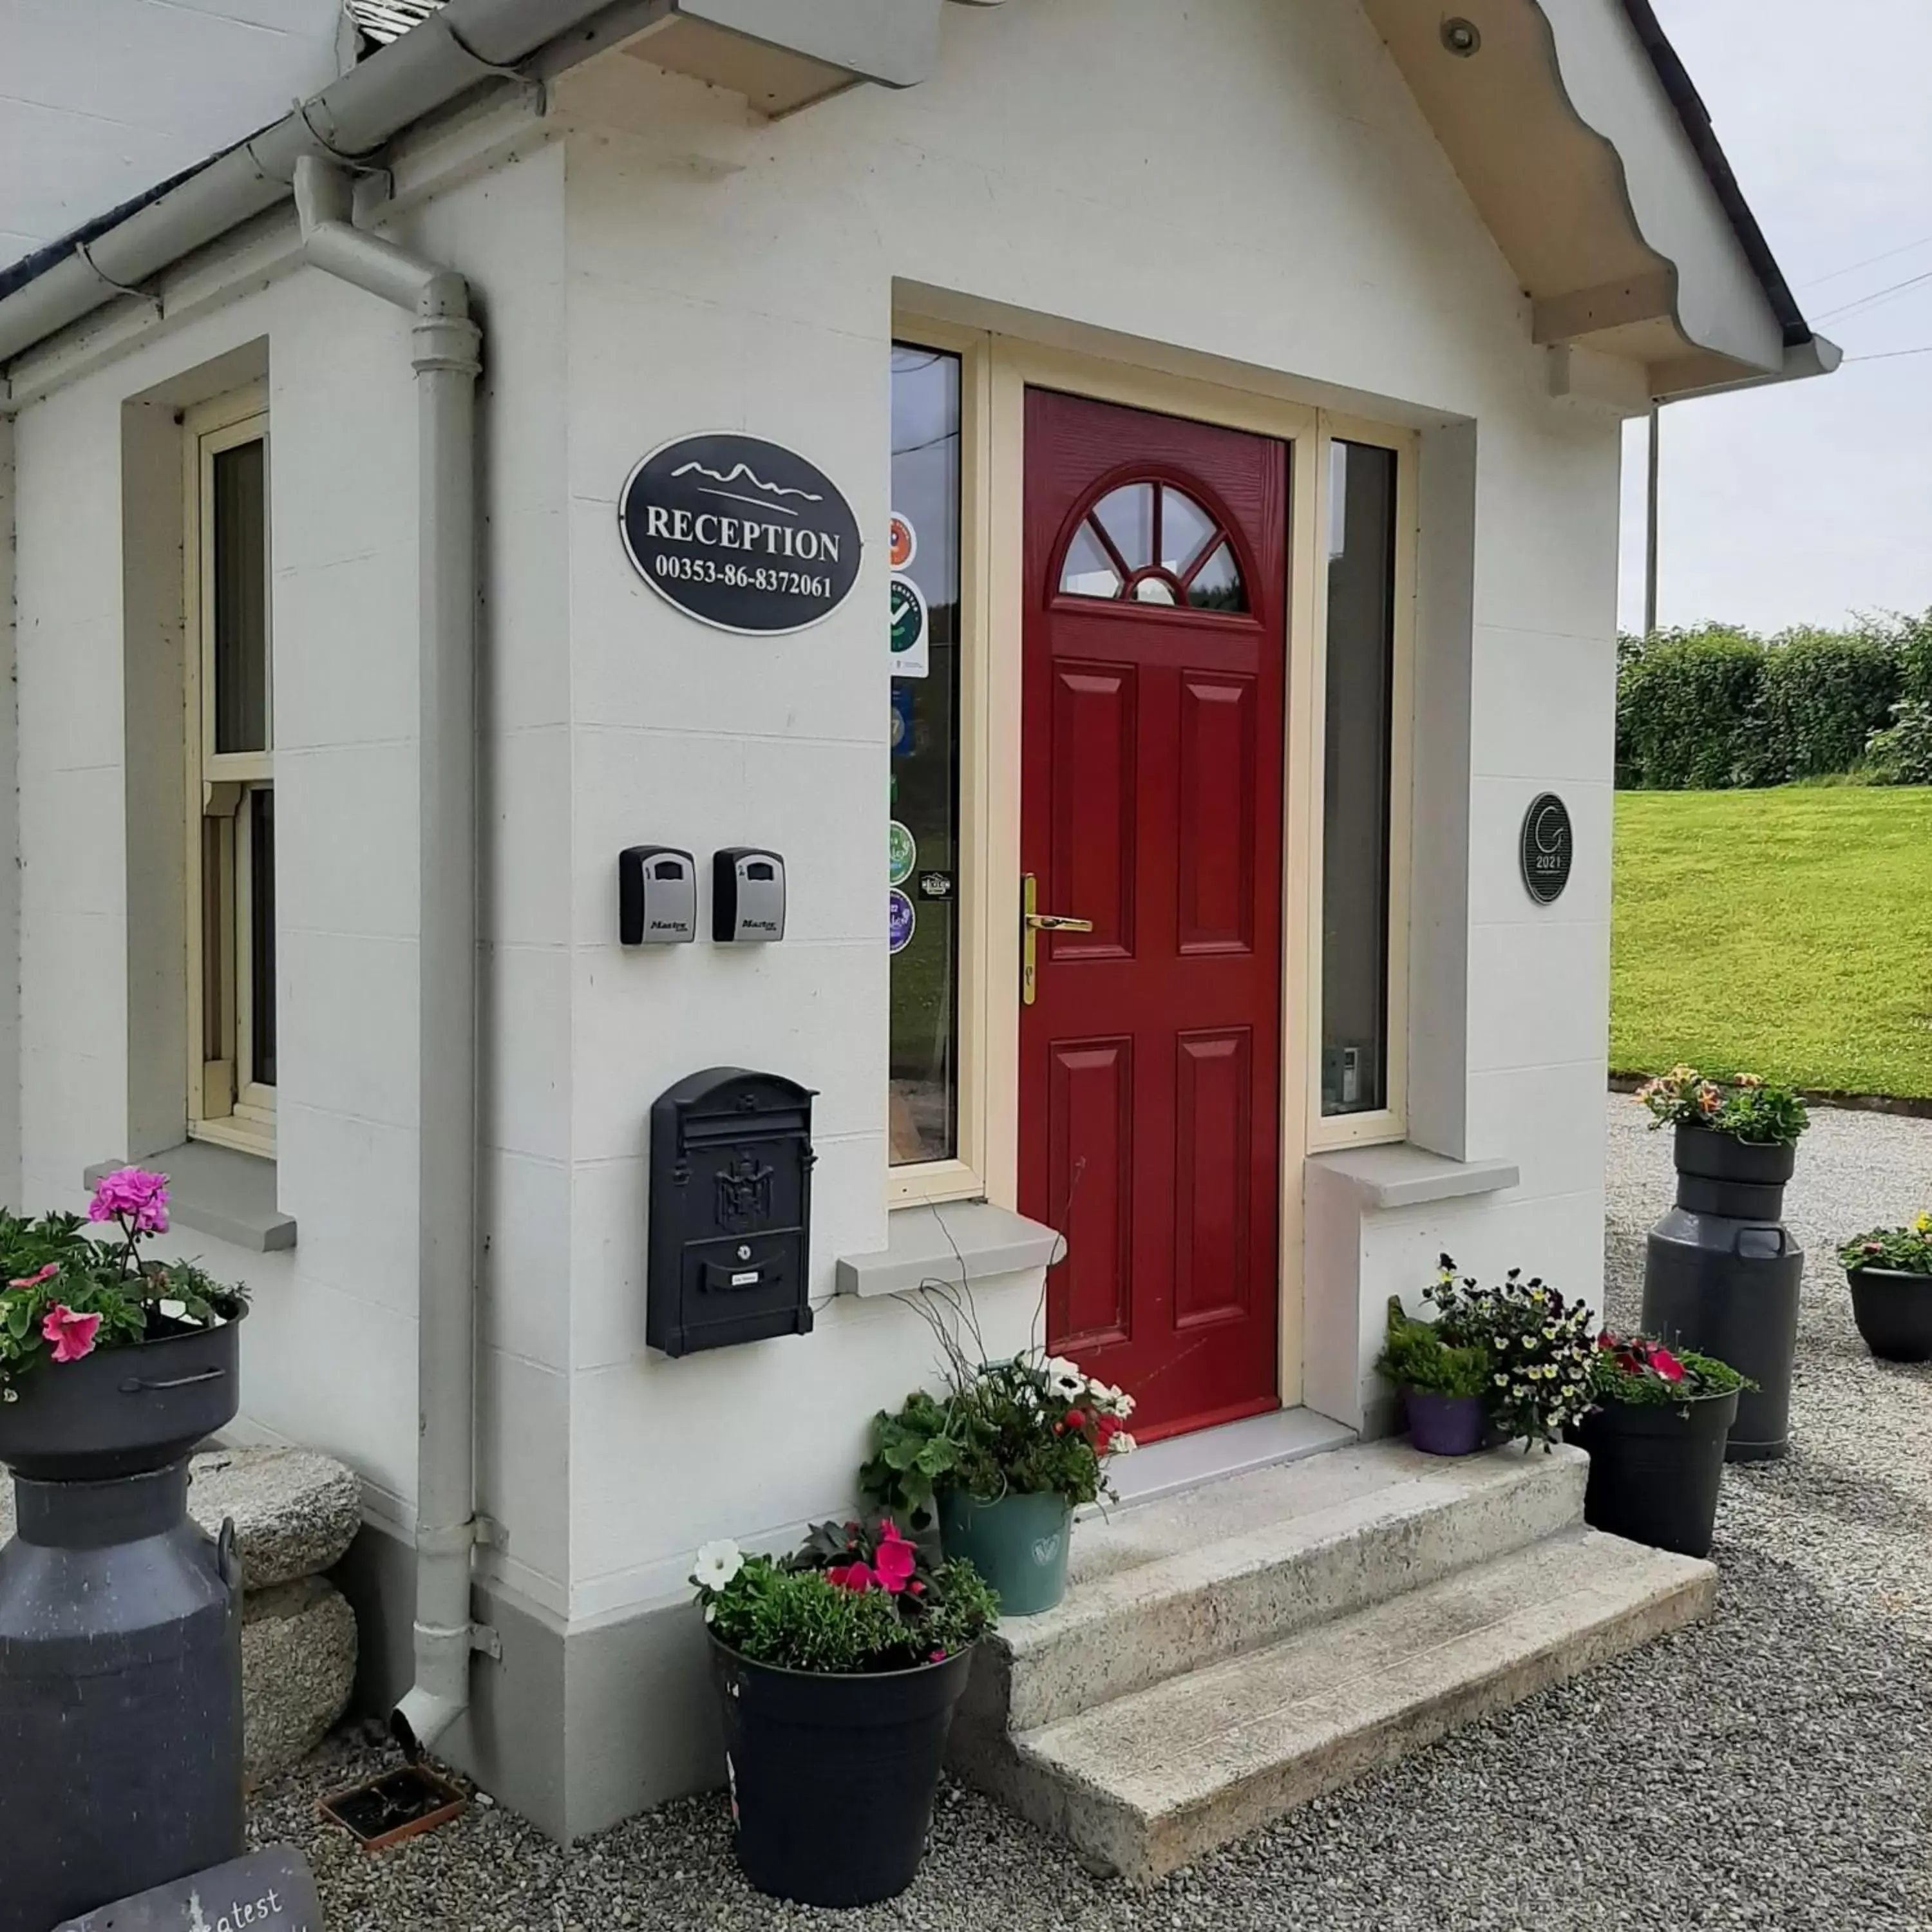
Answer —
1744 1106
1025 1425
1683 704
1820 696
1906 1250
1901 753
912 1453
1539 1342
1784 931
853 1600
1643 1374
1414 1356
1718 706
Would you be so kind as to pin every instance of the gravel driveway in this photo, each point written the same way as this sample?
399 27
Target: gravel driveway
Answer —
1771 1768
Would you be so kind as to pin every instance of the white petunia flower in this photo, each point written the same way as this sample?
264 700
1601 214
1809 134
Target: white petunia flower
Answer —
1122 1443
175 1311
1063 1377
716 1564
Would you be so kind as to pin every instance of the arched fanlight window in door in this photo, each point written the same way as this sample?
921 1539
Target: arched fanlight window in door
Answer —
1152 543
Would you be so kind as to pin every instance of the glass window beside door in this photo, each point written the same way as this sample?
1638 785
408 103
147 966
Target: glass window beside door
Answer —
922 856
1361 656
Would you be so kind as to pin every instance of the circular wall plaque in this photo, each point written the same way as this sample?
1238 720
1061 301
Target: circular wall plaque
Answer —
743 535
1548 846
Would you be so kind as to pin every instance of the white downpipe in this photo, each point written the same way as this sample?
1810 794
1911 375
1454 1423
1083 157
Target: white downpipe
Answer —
445 355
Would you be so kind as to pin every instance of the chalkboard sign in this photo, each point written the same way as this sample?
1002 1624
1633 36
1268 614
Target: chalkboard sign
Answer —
268 1892
743 535
1548 846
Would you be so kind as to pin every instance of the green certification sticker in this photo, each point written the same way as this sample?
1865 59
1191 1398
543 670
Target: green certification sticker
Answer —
908 629
903 854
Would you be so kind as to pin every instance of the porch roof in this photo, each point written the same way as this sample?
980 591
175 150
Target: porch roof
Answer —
1573 125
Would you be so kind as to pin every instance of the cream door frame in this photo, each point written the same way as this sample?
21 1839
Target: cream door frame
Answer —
1016 367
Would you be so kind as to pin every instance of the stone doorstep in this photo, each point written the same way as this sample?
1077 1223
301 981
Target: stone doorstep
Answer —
1146 1783
1182 1582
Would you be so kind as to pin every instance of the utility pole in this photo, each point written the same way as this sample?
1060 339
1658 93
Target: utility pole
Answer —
1650 537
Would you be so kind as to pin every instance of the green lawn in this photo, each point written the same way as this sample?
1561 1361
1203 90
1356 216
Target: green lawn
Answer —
1787 932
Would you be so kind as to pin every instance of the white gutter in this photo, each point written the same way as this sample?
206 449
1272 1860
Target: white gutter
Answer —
445 344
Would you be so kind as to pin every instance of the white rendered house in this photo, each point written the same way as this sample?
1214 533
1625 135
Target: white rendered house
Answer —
1226 401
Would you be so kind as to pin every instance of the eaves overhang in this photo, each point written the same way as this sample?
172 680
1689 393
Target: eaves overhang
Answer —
780 54
1592 161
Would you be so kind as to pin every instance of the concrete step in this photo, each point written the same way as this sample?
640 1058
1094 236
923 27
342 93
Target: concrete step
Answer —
1152 1781
1187 1579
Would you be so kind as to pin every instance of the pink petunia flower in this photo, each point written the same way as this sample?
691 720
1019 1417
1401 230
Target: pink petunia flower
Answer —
1666 1364
134 1195
46 1273
72 1335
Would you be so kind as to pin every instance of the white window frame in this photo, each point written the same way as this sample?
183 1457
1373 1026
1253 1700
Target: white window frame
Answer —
222 1106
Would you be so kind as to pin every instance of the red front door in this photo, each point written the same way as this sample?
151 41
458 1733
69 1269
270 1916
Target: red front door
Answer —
1151 807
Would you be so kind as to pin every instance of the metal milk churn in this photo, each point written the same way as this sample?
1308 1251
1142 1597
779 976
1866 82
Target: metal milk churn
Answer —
120 1633
1721 1275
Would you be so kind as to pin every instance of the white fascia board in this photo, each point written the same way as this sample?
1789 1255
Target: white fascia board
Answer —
1614 89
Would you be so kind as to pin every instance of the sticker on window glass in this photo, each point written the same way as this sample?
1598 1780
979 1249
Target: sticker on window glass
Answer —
903 850
903 545
900 920
902 740
909 652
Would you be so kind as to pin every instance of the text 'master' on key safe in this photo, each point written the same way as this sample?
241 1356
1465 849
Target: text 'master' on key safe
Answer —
657 896
748 894
730 1230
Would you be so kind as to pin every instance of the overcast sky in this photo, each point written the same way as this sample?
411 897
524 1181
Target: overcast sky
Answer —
1802 502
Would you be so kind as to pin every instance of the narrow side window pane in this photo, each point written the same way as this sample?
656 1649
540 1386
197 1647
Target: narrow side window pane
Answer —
240 593
1355 824
923 851
262 935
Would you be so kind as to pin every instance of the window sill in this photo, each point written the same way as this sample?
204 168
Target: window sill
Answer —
218 1191
1404 1176
963 1242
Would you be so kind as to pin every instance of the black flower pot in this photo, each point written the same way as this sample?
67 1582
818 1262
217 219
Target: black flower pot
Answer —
120 1632
1722 1274
832 1778
1893 1308
1656 1471
123 1412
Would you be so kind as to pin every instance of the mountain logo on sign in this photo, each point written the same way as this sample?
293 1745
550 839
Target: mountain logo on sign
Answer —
743 472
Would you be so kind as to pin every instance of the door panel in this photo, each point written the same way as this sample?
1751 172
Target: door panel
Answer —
1151 805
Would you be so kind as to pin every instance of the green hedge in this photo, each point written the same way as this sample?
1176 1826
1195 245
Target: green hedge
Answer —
1718 707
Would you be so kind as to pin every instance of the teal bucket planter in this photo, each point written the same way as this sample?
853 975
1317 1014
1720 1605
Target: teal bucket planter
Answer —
1018 1544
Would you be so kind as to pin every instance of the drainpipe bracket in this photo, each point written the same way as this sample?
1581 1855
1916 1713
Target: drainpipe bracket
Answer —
485 1641
490 1533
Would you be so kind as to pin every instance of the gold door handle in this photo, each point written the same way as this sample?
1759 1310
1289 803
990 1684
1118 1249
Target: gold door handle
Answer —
1032 925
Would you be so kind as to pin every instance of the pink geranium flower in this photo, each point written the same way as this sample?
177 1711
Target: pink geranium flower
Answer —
894 1561
132 1195
71 1335
1666 1364
854 1576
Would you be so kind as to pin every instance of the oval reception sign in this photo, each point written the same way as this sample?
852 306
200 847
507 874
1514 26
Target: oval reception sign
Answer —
743 535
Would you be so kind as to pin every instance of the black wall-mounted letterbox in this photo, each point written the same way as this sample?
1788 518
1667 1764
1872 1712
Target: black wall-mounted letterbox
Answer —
730 1210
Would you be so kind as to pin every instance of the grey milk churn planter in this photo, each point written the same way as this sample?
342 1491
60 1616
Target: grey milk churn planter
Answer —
1721 1275
120 1632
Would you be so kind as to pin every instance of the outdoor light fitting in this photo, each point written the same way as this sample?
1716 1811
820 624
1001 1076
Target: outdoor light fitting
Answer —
1462 38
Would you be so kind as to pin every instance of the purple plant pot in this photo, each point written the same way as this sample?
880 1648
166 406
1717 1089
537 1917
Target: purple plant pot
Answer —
1444 1425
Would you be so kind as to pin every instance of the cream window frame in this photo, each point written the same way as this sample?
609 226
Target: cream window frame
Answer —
964 1177
222 1106
1390 1122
